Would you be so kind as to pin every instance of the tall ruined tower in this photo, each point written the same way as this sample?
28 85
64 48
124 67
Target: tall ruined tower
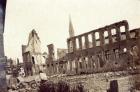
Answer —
71 29
71 34
51 52
32 55
34 43
2 56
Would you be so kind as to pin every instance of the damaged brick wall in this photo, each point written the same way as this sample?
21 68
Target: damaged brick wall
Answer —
109 48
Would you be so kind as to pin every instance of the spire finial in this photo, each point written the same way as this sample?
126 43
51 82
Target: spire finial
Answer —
71 29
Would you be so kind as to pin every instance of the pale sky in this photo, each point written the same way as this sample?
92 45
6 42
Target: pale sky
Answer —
50 19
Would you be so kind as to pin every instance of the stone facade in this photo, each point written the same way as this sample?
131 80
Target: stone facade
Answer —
110 48
32 56
111 51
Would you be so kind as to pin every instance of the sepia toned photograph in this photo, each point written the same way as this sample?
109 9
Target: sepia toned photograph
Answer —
69 46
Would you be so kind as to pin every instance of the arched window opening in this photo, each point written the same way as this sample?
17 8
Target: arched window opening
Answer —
123 34
83 42
122 29
106 38
97 39
114 37
97 35
77 44
113 32
90 40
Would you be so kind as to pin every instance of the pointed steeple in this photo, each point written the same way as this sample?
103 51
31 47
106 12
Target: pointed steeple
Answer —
71 29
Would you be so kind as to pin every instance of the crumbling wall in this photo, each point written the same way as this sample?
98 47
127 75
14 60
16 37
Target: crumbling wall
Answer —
104 49
32 57
110 48
103 82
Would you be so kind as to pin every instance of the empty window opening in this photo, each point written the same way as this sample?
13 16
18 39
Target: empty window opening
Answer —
101 61
90 40
80 65
97 39
106 38
77 44
97 35
106 34
83 42
113 32
122 29
123 34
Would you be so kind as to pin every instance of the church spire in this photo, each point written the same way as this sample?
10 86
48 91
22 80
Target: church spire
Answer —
71 29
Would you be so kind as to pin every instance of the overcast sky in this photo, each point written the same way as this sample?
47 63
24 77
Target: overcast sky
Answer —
50 19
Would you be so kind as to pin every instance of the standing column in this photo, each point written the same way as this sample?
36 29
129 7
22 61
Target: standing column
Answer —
80 43
127 36
65 68
3 86
83 65
89 64
68 44
110 36
86 42
118 34
70 67
101 37
93 40
74 44
127 31
77 66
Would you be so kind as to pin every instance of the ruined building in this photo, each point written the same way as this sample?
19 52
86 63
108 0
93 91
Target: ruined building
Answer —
56 66
110 48
33 58
106 59
51 61
114 47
